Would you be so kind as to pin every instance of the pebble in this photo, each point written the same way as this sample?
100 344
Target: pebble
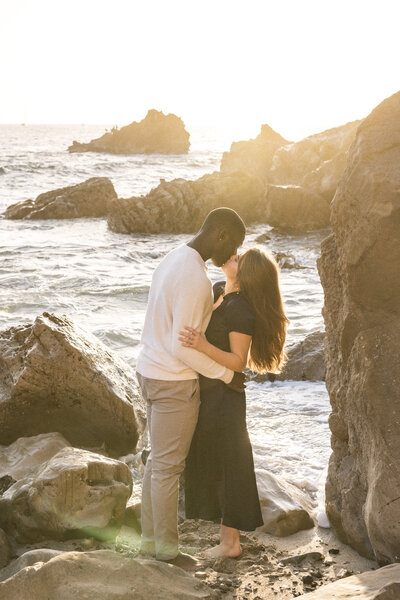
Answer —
200 574
334 551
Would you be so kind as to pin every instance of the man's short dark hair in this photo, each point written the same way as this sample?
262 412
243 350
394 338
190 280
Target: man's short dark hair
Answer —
225 218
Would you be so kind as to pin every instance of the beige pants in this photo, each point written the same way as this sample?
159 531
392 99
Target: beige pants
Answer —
172 411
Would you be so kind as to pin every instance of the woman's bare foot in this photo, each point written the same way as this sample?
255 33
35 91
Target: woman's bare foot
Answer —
228 550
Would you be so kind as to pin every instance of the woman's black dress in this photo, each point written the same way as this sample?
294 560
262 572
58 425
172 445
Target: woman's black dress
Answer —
219 475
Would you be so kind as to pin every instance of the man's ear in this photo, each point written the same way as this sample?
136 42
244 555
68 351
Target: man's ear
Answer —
222 234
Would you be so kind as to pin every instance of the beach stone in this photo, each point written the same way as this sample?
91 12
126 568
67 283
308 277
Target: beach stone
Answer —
180 206
25 455
157 133
292 208
87 199
75 494
253 157
55 376
103 575
306 361
295 162
382 584
359 269
285 508
27 560
5 549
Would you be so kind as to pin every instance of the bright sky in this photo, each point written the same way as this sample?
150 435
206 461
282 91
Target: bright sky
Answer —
299 65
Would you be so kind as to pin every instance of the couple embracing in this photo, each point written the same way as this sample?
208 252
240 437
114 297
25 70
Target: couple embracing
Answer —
196 342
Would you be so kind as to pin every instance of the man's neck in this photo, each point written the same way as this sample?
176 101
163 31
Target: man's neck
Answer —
199 243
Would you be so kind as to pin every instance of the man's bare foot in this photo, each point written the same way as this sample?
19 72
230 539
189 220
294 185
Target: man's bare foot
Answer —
230 551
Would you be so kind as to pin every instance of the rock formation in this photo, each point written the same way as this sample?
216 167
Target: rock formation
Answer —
180 206
253 157
76 493
360 274
294 209
54 376
5 549
306 361
87 199
382 584
285 508
155 134
102 575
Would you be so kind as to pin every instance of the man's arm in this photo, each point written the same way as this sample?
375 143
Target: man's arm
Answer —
191 303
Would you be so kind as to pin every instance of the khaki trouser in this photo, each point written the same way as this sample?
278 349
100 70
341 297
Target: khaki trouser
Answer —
172 411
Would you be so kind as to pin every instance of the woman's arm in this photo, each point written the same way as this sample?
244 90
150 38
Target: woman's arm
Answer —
236 359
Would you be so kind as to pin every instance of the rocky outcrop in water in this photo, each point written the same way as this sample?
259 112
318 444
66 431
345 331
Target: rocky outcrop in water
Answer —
285 508
102 575
360 274
87 199
54 376
155 134
253 157
75 493
180 206
306 361
293 209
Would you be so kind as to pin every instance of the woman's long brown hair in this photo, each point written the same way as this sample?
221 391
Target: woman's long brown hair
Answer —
258 279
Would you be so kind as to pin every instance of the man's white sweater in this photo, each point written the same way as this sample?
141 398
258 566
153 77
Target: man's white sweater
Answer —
180 294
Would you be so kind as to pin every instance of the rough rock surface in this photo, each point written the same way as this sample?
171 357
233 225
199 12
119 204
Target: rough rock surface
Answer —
87 199
155 134
54 376
28 559
294 162
253 157
102 575
294 209
285 508
359 268
75 493
5 549
382 584
306 361
180 206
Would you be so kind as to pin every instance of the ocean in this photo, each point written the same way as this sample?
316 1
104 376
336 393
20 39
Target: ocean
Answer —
101 279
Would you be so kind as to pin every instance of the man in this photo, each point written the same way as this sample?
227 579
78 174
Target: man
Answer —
180 294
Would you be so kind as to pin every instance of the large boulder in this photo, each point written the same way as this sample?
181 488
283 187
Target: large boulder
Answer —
253 157
294 209
359 269
180 206
382 584
102 575
88 199
155 134
54 376
5 549
285 508
75 493
306 361
293 162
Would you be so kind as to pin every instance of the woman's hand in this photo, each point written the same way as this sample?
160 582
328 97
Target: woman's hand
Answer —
190 338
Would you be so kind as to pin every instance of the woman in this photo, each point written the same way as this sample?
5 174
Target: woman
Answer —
247 327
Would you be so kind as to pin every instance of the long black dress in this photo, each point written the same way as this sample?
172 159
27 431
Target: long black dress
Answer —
219 475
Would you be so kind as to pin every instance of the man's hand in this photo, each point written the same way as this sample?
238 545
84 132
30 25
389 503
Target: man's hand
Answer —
238 382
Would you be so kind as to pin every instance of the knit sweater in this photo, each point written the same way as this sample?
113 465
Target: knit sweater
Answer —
180 294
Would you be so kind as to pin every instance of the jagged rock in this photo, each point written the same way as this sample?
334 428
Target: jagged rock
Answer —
75 493
54 376
87 199
285 508
253 157
27 560
5 549
382 584
180 206
324 180
293 162
155 134
25 455
286 260
359 269
306 361
294 209
102 575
